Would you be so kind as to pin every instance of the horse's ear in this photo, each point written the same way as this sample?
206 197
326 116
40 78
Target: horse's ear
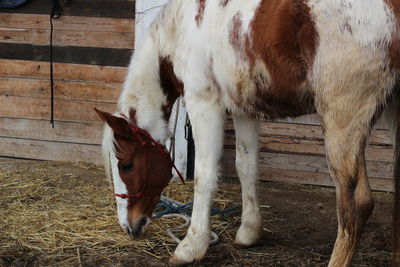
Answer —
119 125
132 115
102 114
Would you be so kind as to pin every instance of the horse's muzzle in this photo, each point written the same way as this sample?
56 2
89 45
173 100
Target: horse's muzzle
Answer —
138 228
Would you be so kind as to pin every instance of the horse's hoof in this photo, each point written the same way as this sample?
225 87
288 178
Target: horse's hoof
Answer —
238 244
247 236
175 261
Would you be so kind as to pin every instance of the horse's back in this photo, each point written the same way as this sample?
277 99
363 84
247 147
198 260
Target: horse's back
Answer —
270 58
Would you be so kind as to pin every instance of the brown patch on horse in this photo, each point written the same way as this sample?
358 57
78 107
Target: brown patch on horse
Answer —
200 11
236 34
213 78
223 3
172 86
394 46
284 38
142 168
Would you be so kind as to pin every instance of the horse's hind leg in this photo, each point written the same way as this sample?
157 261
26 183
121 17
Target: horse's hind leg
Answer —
246 131
347 126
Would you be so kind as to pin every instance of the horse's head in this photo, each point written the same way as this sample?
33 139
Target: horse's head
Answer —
141 168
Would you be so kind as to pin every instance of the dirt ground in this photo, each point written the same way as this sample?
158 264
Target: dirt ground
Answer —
299 223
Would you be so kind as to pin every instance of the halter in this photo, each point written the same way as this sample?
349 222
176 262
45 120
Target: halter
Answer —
142 135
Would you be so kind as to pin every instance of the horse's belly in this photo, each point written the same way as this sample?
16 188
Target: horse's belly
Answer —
254 94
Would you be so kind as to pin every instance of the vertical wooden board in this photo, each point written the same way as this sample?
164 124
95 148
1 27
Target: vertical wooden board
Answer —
71 72
72 132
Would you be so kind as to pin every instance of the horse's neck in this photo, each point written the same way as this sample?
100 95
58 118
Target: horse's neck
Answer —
143 93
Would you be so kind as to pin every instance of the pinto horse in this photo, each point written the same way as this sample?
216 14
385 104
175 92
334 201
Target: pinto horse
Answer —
257 59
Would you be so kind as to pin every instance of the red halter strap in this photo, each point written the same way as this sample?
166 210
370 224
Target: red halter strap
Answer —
142 135
138 131
123 196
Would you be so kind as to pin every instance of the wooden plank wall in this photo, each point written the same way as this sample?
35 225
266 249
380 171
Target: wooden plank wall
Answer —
93 41
293 151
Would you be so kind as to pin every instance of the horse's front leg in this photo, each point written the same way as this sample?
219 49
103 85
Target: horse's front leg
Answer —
207 120
246 131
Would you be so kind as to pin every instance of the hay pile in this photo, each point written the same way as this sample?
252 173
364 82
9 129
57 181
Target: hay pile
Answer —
63 214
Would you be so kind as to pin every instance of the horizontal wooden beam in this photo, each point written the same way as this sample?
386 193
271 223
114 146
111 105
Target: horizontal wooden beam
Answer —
67 54
67 23
61 38
310 178
308 163
83 91
308 131
72 72
39 108
45 150
63 131
88 8
283 144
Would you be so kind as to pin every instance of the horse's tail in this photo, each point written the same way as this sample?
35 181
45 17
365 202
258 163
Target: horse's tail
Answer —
392 114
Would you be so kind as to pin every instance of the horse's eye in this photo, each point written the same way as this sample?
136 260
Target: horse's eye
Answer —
126 167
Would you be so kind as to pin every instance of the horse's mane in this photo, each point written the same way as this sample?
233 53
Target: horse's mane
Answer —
108 147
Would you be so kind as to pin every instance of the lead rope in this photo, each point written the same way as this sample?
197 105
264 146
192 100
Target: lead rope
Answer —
172 138
176 205
53 15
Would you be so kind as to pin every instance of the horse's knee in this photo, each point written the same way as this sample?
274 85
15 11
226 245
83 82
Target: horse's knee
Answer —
364 202
355 205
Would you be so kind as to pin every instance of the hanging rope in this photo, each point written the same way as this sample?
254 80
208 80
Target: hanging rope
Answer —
55 13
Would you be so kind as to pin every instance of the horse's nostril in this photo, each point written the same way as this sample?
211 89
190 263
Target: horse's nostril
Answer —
142 222
137 230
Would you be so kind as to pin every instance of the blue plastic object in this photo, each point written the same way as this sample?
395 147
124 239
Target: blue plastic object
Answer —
12 3
166 207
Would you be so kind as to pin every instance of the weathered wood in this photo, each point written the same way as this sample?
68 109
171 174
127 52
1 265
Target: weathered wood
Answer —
307 163
44 150
84 91
283 144
314 119
72 72
300 177
63 131
308 131
41 37
67 23
67 54
88 8
39 108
